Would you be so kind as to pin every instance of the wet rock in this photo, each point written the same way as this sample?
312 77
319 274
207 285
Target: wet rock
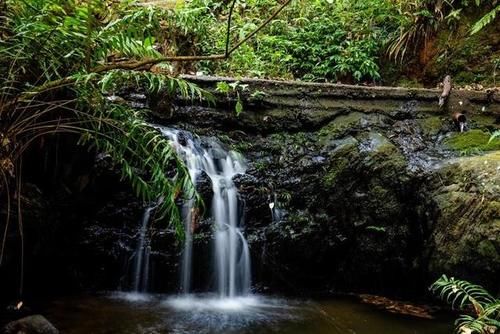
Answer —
465 238
431 125
35 324
355 189
367 196
204 188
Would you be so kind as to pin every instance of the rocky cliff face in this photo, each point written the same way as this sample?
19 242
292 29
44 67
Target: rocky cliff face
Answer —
347 189
362 195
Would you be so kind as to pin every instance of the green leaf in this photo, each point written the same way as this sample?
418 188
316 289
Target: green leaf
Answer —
239 107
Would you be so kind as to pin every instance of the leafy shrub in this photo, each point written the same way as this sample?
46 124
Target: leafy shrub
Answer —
312 40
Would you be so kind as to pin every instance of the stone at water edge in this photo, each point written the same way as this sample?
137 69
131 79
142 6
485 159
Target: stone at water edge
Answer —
34 324
465 239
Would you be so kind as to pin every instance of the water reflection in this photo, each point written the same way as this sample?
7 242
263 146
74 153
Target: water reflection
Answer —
132 313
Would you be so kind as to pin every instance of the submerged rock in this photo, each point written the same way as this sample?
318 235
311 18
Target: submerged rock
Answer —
35 324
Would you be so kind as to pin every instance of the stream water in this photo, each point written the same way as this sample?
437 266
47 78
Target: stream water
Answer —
229 307
132 313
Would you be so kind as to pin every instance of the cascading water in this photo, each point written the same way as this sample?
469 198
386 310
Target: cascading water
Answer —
276 211
141 263
232 257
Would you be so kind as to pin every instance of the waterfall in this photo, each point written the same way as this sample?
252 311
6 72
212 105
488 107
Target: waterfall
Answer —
141 264
231 253
276 211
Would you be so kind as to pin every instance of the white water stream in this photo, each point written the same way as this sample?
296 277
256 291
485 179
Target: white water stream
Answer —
142 253
231 259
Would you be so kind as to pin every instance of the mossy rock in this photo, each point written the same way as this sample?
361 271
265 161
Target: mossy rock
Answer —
484 122
465 241
382 156
431 125
472 140
341 125
344 125
343 156
487 249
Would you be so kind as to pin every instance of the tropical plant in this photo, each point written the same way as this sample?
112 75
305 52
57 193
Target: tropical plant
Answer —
494 136
483 309
63 62
486 19
87 51
316 40
234 88
421 19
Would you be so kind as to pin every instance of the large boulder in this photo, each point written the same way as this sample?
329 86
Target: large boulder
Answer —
465 238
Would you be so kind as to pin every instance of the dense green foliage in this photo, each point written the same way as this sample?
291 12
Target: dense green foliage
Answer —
465 296
334 40
62 62
313 40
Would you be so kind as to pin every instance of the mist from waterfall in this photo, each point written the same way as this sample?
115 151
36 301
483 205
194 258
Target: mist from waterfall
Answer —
231 260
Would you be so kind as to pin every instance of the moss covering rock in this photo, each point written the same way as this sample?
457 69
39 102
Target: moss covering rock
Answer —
465 240
367 196
431 125
476 139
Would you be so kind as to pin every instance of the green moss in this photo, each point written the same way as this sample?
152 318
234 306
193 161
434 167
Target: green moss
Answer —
487 249
341 125
242 146
381 151
472 140
343 157
430 125
485 122
338 167
260 165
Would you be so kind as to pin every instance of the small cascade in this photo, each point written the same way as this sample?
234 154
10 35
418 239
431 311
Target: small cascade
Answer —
231 255
276 211
140 279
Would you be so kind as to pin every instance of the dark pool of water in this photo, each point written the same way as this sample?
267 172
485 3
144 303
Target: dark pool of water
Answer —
119 313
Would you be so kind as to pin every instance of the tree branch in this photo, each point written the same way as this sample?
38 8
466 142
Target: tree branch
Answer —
228 32
146 64
262 25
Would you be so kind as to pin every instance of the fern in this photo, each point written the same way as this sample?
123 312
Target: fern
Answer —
485 20
53 44
464 295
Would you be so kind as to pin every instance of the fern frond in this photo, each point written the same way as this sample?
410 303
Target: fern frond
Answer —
460 294
485 20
